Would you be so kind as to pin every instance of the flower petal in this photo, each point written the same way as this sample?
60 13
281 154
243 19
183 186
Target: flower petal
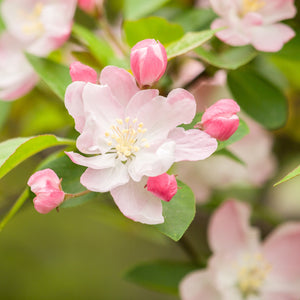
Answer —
278 10
136 203
270 38
229 231
94 162
106 179
282 250
198 285
192 144
121 83
74 103
152 163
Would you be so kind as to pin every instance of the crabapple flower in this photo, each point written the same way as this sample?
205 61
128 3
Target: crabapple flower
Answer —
81 72
41 26
17 77
132 134
148 61
243 268
220 120
163 186
46 185
254 22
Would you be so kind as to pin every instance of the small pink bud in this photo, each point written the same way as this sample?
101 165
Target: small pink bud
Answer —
81 72
46 185
90 5
148 61
220 120
163 186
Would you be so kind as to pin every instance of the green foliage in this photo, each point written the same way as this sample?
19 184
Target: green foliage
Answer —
152 28
161 276
55 75
4 111
258 97
136 9
188 42
289 176
15 151
178 213
99 48
231 58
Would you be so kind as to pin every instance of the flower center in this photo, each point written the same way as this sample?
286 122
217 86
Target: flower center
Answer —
32 23
125 137
252 6
252 274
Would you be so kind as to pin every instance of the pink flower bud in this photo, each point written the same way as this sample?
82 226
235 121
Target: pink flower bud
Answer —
148 61
81 72
163 186
90 5
46 185
220 120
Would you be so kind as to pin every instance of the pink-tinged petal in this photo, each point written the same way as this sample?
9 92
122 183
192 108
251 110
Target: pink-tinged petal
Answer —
152 162
106 179
229 230
252 19
278 296
163 186
161 114
192 144
92 139
74 104
271 38
136 203
225 7
94 162
100 103
121 83
45 202
140 99
81 72
148 61
44 179
282 251
198 285
278 10
232 35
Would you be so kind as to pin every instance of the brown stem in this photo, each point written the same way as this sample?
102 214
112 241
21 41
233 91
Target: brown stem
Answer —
70 196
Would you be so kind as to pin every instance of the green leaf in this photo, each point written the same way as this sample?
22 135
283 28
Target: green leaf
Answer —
178 213
196 120
152 28
232 58
188 42
15 208
194 19
161 276
289 176
136 9
258 97
231 155
55 75
4 111
15 151
100 49
242 130
70 173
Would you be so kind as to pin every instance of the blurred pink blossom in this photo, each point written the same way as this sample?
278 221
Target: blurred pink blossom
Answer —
163 186
81 72
254 22
220 120
148 60
17 77
243 268
46 185
133 135
41 26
